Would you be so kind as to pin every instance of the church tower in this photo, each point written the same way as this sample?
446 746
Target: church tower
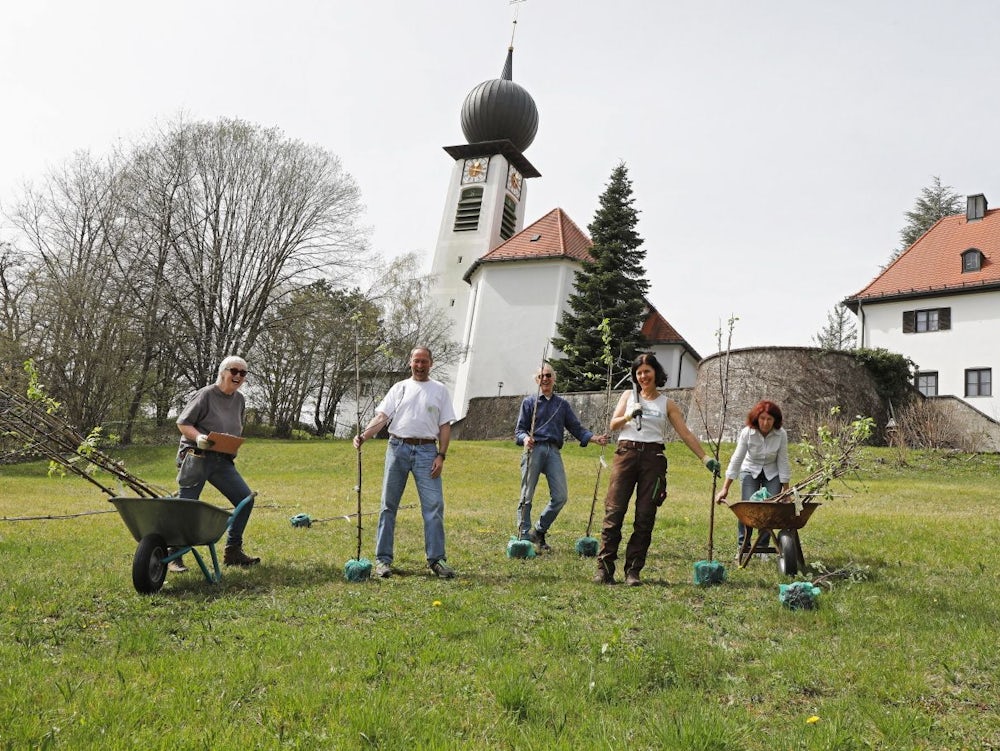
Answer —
486 196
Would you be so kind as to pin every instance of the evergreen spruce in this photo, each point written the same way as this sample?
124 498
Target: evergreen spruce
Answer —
613 286
935 202
840 332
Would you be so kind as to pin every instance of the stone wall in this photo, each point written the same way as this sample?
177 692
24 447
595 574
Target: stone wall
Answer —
805 382
947 422
493 417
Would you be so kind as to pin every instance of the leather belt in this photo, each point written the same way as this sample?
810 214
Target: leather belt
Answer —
641 446
207 452
415 441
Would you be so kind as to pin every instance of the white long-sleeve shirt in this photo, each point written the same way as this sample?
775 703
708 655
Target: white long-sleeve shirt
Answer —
756 452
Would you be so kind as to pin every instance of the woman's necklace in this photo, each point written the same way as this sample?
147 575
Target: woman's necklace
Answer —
650 398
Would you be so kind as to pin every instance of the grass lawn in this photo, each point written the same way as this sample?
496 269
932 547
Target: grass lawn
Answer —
512 654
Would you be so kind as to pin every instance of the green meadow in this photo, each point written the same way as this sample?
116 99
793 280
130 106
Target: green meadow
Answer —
901 652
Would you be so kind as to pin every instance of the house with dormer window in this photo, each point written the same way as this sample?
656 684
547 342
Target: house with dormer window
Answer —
938 304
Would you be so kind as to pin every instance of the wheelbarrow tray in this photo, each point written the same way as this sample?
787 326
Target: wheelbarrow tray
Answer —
181 522
764 515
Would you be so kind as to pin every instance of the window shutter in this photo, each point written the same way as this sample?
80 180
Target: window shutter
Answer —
909 321
944 319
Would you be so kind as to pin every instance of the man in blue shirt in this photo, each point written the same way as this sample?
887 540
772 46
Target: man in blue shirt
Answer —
541 425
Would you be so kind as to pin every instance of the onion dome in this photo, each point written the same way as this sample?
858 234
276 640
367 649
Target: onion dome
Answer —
500 109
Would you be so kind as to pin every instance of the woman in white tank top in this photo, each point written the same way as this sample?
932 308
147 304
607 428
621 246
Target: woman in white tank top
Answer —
640 465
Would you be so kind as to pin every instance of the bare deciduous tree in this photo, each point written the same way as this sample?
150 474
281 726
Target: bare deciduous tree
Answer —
252 214
84 342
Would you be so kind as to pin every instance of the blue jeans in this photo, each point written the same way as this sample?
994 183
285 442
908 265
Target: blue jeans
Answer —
748 486
544 459
220 472
402 459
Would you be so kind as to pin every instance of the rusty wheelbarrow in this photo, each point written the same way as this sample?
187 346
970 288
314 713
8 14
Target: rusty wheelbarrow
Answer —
782 520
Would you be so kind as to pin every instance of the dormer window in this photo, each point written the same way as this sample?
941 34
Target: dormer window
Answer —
972 260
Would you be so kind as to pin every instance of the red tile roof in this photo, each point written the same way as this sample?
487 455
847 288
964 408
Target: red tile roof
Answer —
555 235
657 330
933 264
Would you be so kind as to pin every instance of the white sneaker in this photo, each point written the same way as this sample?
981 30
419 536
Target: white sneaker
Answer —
382 570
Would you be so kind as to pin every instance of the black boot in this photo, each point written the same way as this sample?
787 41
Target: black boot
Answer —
605 573
234 556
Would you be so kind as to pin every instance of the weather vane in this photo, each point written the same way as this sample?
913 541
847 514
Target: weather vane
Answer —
516 4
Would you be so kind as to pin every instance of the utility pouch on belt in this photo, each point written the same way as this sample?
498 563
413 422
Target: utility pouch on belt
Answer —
660 487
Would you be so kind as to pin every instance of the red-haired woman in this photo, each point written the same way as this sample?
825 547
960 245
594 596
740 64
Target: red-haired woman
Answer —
760 460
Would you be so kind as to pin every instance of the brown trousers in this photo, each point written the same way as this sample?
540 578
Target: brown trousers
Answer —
642 468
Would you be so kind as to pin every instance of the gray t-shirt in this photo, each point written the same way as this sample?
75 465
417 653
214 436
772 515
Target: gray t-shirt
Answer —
212 409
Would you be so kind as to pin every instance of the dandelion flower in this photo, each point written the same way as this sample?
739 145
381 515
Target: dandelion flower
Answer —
812 720
437 604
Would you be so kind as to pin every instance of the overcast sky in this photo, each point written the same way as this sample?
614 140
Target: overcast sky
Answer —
774 145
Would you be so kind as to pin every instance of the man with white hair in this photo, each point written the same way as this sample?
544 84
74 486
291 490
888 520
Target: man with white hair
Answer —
219 408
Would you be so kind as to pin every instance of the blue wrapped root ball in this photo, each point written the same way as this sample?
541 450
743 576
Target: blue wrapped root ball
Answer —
586 547
707 573
518 548
357 570
799 595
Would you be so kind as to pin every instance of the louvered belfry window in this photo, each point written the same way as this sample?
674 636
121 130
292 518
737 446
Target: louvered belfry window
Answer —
509 219
469 205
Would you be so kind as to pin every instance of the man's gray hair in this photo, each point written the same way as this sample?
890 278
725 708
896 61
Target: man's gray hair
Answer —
233 361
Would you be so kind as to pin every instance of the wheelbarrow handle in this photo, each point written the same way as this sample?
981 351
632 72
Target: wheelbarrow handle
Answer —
239 508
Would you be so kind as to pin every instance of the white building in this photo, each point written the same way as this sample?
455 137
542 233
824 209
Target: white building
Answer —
939 305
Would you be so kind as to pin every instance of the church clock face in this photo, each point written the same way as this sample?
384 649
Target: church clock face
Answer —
474 170
514 181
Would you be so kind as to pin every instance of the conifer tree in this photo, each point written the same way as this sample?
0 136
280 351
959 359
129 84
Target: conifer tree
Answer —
840 332
935 201
613 286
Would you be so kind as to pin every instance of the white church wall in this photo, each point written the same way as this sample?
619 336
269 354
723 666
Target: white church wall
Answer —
516 308
455 252
681 368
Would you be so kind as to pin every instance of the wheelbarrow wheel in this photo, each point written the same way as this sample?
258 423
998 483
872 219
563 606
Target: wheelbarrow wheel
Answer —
788 553
148 569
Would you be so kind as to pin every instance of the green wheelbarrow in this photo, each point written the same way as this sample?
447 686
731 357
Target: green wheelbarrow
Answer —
166 529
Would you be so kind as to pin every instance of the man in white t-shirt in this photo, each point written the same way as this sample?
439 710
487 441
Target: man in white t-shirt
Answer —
420 414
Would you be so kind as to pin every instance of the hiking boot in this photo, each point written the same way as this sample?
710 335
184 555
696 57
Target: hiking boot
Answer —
604 576
234 556
382 570
632 579
538 537
442 569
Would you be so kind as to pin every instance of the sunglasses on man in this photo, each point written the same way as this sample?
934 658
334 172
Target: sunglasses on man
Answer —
238 372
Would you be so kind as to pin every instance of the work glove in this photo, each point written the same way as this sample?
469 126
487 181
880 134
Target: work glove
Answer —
637 412
713 466
204 442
